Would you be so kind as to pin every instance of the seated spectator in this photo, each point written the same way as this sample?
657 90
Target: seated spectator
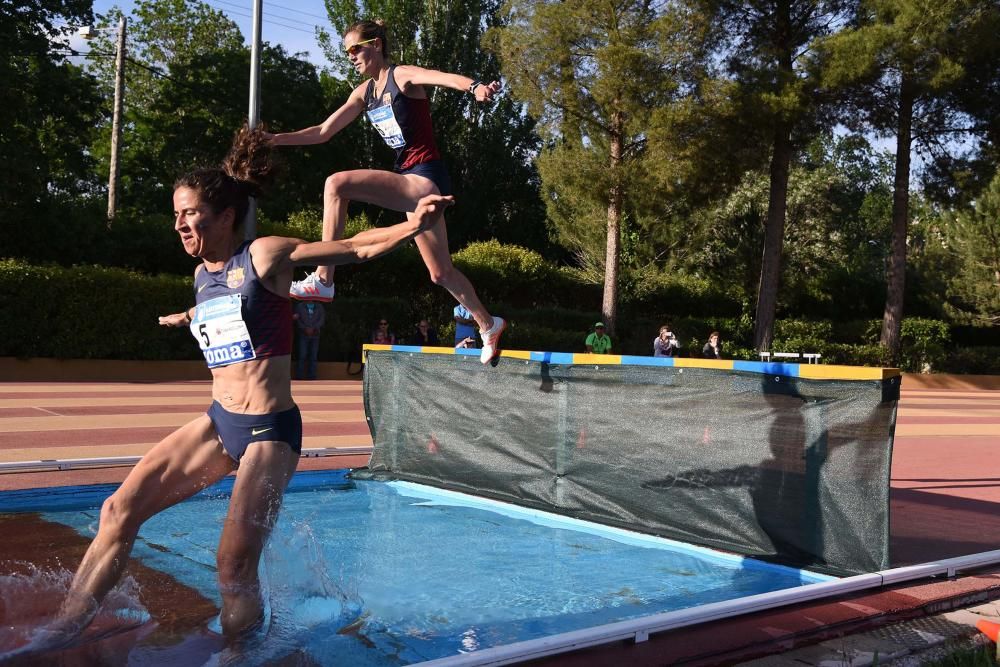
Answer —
598 342
713 348
666 344
425 334
382 335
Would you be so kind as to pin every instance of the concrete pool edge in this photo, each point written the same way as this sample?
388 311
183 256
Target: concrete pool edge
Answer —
639 631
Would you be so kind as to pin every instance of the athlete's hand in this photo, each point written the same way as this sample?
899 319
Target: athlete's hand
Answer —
430 208
486 91
175 320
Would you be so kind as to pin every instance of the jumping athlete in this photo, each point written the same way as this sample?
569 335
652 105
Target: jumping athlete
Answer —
242 321
394 99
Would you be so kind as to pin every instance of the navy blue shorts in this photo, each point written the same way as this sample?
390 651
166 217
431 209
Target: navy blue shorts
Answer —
434 171
238 431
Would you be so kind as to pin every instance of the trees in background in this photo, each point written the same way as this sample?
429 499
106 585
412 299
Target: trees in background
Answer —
662 147
186 94
766 48
972 237
593 73
50 107
908 60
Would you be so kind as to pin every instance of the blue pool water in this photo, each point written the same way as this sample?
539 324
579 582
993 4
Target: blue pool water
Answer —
376 573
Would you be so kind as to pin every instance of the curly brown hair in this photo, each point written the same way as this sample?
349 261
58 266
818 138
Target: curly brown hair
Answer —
248 170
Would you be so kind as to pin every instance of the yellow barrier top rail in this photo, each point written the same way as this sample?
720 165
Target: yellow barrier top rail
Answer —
805 371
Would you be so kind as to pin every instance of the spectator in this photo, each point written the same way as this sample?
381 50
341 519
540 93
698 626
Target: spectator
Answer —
713 348
465 326
309 319
382 335
425 334
597 342
666 344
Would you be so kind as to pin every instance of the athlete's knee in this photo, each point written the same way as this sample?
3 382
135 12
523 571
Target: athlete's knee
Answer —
335 186
119 519
442 275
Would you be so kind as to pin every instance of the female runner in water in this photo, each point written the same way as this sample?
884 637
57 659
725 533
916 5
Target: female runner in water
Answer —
242 321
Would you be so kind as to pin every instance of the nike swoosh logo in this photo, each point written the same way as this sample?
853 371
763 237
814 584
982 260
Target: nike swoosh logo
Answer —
201 288
261 430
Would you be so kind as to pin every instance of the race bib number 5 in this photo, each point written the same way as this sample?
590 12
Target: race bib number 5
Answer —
221 332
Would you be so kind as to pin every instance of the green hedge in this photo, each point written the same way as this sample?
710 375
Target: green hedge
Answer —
972 360
90 312
108 313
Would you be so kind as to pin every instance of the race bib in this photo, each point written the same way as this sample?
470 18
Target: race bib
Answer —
385 122
221 332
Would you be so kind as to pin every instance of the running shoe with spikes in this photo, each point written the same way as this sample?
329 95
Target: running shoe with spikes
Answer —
491 340
311 288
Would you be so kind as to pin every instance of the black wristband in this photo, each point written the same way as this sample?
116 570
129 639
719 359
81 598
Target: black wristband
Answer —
472 86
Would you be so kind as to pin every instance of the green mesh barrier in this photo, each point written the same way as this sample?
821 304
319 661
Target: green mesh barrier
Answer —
780 468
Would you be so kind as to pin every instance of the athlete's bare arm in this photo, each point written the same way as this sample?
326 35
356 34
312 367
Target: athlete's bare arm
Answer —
318 134
408 76
275 257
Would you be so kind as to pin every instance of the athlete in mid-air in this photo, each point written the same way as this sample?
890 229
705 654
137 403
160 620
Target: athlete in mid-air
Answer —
396 103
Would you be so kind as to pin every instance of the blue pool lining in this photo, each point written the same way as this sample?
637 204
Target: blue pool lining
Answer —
632 538
90 496
54 499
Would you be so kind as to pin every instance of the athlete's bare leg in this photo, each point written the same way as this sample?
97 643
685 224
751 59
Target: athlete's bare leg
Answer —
401 193
182 464
265 471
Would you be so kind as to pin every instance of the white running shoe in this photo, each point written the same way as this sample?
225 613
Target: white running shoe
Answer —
491 340
311 288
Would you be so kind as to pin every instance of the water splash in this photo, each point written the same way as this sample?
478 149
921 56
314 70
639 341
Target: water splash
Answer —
302 600
29 598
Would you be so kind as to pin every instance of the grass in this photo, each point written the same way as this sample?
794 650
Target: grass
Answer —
979 656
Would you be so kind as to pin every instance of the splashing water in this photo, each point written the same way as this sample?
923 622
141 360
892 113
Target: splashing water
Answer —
29 600
301 600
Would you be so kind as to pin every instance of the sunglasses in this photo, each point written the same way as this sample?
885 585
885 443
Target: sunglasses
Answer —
356 46
383 323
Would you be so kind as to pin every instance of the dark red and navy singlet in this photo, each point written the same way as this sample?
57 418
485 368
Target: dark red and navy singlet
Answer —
404 123
236 318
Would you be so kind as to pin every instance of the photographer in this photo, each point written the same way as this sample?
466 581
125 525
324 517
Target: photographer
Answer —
666 344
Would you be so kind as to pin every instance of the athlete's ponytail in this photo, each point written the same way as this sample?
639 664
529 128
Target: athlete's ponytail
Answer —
372 29
247 171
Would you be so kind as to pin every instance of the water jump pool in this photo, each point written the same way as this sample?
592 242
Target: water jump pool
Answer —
386 573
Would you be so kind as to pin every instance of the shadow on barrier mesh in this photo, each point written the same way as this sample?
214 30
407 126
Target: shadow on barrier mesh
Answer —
784 469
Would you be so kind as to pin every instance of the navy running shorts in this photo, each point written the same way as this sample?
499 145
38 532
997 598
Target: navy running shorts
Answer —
435 171
239 431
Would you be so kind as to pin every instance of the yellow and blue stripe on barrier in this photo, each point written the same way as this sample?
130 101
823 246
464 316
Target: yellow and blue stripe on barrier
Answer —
805 371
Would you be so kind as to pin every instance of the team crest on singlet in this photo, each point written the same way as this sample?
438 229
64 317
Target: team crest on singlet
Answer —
235 277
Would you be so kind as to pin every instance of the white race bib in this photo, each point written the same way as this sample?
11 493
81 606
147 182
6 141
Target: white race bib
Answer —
385 122
221 332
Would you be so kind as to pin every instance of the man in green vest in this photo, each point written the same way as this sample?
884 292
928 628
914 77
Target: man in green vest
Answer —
598 342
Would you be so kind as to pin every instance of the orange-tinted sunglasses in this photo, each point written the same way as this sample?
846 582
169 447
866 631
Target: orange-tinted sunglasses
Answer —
356 46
